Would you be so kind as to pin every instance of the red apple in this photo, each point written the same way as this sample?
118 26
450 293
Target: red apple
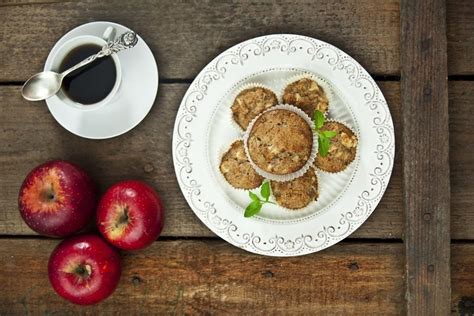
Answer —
84 269
57 199
130 215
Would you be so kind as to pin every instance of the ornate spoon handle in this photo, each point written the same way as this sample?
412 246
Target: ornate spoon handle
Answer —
125 41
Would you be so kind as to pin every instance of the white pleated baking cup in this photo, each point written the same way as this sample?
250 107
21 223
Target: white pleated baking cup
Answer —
221 154
242 88
309 162
304 207
320 81
356 157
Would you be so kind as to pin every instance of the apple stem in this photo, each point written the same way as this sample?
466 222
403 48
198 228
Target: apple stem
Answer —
49 195
124 217
83 270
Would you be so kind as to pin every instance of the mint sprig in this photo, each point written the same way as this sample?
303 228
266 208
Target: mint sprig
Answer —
318 118
324 137
257 202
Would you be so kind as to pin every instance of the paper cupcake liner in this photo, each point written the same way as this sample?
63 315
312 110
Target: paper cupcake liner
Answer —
357 148
319 186
221 154
304 207
238 91
289 176
320 81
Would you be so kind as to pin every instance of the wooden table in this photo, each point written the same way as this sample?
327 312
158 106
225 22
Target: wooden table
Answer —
414 255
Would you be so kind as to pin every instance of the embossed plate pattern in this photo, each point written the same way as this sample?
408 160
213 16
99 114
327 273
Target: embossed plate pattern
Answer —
203 129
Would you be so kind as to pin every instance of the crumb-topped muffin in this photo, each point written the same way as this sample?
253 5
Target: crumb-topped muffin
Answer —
280 142
251 102
296 193
237 170
306 94
342 150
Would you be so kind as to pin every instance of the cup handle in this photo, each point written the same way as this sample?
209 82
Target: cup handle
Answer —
109 34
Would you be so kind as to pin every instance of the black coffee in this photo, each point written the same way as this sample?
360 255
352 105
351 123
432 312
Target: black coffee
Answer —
92 83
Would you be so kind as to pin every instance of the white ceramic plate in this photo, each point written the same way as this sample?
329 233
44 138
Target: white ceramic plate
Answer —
131 103
204 130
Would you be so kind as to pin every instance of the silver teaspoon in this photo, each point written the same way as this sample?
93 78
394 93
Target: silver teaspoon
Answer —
47 83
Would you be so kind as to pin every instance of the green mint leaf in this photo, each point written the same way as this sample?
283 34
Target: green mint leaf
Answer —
318 118
323 145
329 134
253 196
265 190
253 208
320 145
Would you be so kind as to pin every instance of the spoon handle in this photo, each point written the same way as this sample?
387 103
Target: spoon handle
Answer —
125 41
86 61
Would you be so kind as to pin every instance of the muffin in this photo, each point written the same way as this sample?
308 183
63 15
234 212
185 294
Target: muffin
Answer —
251 102
306 94
237 170
297 193
280 142
342 150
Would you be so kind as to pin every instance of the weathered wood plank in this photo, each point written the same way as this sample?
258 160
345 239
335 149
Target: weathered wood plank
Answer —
186 35
5 3
367 30
212 277
462 279
460 27
25 124
200 276
461 156
426 186
29 135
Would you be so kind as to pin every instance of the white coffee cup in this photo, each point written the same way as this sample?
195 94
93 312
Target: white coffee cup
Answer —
67 47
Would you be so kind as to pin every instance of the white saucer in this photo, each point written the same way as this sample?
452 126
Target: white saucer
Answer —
132 101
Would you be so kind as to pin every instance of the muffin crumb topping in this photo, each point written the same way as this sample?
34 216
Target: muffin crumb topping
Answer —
280 142
237 170
297 193
307 95
250 103
342 150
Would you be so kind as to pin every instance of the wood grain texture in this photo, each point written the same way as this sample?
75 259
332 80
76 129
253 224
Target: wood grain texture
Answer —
186 35
5 3
460 27
462 279
426 183
213 277
461 158
25 124
29 136
178 277
367 30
